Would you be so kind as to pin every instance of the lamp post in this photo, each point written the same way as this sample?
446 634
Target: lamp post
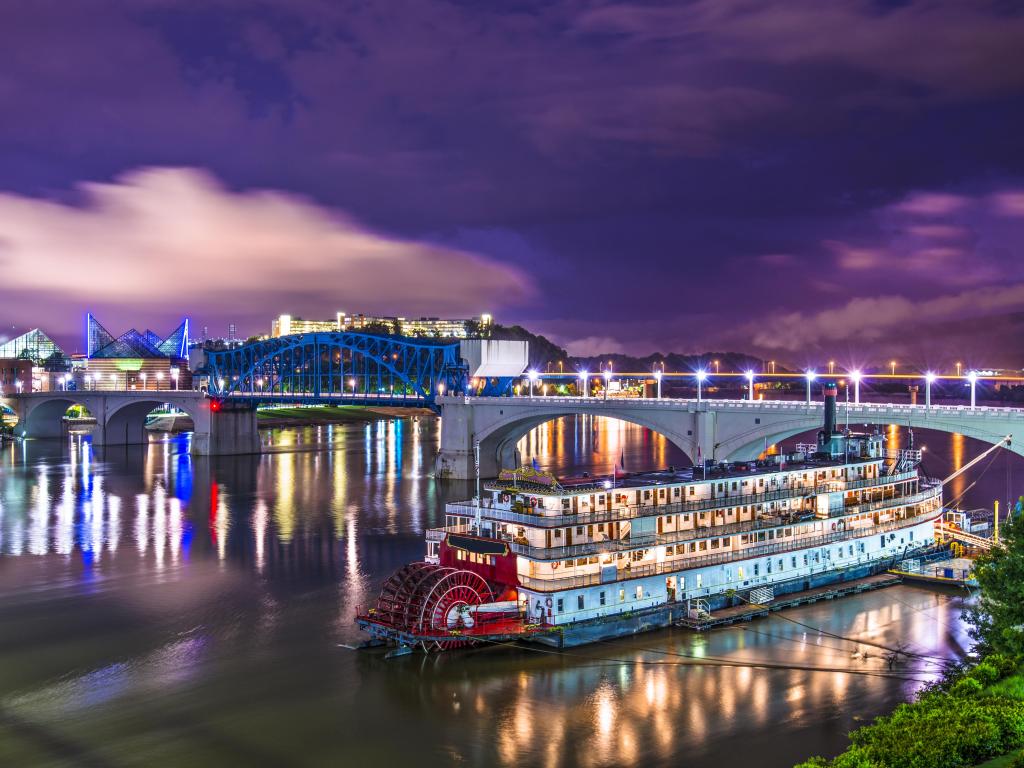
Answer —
607 381
929 379
532 376
174 377
958 368
657 378
750 385
892 365
18 385
831 367
352 383
86 379
701 375
159 379
810 376
972 378
855 375
584 383
717 367
142 375
113 381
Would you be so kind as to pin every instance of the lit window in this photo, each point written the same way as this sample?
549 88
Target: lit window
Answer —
639 592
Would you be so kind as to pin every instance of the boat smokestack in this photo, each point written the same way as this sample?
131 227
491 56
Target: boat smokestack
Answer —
829 428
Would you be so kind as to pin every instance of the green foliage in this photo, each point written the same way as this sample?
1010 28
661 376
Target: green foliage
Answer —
998 616
1018 761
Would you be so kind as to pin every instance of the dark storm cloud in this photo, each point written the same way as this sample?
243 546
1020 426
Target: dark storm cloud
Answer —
717 163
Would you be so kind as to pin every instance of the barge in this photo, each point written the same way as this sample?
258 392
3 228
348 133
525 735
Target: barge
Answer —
564 562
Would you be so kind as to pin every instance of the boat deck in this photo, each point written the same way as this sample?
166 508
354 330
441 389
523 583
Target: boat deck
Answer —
750 611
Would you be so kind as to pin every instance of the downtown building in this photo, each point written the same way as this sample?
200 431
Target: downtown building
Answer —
427 327
135 360
32 362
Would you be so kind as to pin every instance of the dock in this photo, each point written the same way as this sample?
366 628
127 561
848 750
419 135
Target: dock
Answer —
749 611
950 572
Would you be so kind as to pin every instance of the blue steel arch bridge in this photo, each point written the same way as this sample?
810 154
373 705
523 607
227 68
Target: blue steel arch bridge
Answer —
344 368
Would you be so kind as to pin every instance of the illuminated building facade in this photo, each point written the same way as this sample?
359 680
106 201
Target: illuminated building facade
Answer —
429 327
135 360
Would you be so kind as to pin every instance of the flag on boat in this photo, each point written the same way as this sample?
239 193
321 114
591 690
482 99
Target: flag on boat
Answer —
622 461
536 466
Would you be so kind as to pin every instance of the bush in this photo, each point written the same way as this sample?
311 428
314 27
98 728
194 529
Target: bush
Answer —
966 721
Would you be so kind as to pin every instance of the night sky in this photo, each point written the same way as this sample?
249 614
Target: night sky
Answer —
798 179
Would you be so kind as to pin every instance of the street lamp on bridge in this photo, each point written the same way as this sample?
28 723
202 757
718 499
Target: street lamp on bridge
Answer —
750 384
174 377
701 375
892 365
657 378
810 376
929 379
18 385
532 376
972 379
607 381
584 383
855 375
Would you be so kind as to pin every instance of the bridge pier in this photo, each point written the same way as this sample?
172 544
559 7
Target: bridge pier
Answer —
233 431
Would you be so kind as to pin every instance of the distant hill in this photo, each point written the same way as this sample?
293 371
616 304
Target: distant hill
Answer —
546 355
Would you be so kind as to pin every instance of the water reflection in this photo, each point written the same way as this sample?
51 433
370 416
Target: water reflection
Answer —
220 590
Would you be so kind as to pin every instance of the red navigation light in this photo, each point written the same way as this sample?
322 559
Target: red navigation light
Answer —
215 405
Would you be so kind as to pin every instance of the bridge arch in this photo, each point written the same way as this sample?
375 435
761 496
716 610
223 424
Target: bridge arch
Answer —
338 365
498 440
125 422
45 418
748 444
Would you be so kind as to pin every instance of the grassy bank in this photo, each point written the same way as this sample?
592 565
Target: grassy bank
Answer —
331 414
971 717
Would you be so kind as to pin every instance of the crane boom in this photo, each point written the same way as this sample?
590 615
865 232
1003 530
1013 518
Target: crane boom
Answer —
979 457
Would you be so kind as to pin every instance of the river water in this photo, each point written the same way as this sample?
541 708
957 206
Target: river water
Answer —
163 610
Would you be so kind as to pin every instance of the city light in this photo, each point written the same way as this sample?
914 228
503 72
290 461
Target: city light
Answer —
18 385
972 378
810 376
142 376
532 376
607 381
750 384
929 379
174 377
584 383
657 378
892 364
856 376
701 376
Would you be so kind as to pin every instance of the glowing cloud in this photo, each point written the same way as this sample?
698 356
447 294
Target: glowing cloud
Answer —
174 238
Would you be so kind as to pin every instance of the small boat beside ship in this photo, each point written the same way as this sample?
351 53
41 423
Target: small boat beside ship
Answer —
564 562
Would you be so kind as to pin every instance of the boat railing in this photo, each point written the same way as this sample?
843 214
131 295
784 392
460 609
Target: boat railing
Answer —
468 508
540 584
706 532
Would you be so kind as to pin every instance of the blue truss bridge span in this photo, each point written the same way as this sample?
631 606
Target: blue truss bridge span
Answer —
343 368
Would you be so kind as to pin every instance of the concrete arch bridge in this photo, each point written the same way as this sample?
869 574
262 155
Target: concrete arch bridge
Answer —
121 417
724 430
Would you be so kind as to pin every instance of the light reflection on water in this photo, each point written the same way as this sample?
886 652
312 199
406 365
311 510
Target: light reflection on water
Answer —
142 586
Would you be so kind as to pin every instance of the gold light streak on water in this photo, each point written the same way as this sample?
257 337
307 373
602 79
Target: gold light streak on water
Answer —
958 484
259 526
284 496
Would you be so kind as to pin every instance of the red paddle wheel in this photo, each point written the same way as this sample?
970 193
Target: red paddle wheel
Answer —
432 600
